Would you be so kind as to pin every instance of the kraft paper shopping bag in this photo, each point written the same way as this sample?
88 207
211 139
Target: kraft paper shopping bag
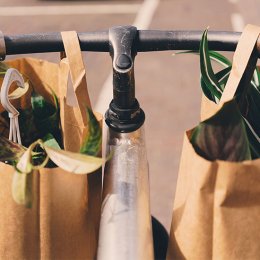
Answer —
217 204
63 220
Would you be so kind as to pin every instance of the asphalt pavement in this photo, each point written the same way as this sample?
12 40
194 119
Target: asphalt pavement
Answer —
167 86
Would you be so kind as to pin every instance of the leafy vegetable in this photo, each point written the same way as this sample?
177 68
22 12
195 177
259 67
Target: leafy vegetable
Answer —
19 92
254 140
24 161
23 179
213 85
37 121
215 56
223 136
208 75
222 77
22 188
92 144
10 151
46 116
74 162
256 78
3 68
41 133
50 141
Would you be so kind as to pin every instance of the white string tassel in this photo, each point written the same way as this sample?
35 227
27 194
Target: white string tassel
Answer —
18 130
11 75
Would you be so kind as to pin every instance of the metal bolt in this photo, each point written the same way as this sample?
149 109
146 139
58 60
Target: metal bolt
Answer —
123 62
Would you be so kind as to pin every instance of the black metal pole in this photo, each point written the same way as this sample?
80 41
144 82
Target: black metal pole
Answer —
124 114
123 43
150 40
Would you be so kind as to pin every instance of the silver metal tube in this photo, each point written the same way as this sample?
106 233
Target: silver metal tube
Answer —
125 229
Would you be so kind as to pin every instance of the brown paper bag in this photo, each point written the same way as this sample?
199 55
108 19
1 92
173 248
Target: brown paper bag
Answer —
64 218
73 223
217 204
19 226
73 93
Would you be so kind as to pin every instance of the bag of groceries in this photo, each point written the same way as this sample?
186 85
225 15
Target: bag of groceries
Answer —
217 203
50 184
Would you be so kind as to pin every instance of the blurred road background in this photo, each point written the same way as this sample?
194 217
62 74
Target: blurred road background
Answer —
167 86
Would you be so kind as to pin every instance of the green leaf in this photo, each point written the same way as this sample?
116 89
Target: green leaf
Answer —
22 188
24 164
73 162
28 130
23 176
39 120
19 92
253 110
219 58
50 141
46 116
22 180
214 56
10 151
251 103
206 91
3 68
207 73
41 108
256 78
223 136
92 144
253 97
254 140
222 77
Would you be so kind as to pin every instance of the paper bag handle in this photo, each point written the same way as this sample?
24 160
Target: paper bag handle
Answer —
77 70
244 62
